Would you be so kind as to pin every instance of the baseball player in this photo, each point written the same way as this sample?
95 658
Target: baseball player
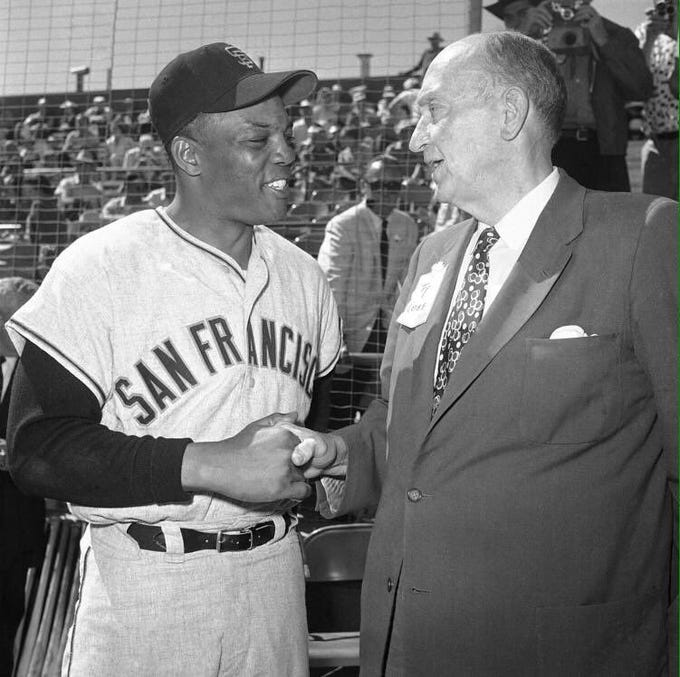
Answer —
152 358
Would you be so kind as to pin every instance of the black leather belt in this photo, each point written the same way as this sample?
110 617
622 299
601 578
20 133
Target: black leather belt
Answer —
580 134
152 538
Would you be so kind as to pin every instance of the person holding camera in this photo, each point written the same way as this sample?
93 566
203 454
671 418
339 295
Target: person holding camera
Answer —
603 67
659 42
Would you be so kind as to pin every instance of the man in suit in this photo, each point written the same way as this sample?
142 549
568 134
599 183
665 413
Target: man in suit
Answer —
524 448
365 255
22 518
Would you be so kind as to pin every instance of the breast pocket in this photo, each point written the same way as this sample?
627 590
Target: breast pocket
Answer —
571 392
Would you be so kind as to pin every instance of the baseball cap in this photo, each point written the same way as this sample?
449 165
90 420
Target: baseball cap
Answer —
217 78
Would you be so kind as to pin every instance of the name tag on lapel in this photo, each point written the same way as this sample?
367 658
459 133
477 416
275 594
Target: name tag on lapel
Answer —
422 297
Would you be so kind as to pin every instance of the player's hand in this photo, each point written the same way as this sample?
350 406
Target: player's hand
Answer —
589 18
318 454
252 466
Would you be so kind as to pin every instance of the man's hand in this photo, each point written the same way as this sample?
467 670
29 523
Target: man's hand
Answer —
253 466
531 21
318 454
588 18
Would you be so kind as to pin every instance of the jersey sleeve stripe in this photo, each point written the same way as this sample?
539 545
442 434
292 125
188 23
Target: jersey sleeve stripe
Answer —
51 349
332 363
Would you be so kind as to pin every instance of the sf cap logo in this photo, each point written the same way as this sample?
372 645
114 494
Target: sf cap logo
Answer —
240 56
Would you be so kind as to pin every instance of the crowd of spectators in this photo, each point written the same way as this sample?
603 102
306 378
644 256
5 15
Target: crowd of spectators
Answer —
64 173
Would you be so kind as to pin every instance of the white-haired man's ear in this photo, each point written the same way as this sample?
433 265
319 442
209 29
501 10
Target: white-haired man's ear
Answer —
515 112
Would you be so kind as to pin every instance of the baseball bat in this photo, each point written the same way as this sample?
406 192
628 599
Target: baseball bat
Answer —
38 656
38 602
52 655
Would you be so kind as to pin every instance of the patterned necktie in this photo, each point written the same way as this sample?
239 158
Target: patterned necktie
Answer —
466 312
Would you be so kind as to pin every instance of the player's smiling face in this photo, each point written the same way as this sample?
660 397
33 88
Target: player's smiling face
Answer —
246 160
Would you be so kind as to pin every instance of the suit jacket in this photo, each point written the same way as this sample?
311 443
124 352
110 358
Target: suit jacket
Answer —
620 75
22 518
526 528
350 257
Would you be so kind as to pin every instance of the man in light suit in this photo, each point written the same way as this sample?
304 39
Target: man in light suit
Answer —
524 448
365 255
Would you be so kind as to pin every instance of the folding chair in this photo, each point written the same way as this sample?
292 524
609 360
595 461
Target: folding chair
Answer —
334 568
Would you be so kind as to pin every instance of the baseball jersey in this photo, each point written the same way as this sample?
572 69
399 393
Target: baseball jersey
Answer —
174 339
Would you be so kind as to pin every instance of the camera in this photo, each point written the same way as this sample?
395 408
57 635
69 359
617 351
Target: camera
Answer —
565 35
663 10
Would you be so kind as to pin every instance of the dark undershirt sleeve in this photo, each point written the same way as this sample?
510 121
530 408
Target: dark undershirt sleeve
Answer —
59 449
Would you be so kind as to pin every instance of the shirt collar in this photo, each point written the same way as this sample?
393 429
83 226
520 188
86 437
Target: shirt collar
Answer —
516 226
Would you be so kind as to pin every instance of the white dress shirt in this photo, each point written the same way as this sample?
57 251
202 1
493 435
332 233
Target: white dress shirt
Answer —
514 230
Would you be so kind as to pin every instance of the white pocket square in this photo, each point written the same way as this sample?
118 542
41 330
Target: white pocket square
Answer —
568 331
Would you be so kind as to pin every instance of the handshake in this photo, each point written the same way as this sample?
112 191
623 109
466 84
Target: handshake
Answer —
269 460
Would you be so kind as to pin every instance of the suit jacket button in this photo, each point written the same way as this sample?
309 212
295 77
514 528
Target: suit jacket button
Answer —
390 585
414 495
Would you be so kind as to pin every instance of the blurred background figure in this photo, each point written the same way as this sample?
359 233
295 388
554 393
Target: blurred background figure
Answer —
80 190
365 255
603 67
118 144
99 116
324 110
658 37
403 106
427 56
302 122
37 124
22 518
45 222
66 122
131 200
82 138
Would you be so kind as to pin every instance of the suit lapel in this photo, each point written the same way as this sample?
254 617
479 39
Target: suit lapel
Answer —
540 265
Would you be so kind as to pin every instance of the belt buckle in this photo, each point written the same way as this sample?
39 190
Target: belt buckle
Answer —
582 134
238 532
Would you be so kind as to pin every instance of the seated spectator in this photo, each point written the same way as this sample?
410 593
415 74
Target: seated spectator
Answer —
659 155
317 157
46 255
82 138
126 118
410 162
132 199
98 117
158 197
362 113
37 124
45 223
302 123
144 125
348 167
13 209
365 255
386 98
403 106
67 122
79 191
118 144
324 111
147 153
